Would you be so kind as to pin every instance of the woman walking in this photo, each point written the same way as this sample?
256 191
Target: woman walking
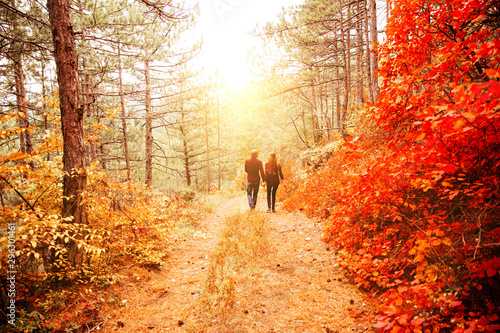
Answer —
272 176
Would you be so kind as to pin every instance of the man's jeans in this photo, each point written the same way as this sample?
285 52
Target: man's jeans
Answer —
252 191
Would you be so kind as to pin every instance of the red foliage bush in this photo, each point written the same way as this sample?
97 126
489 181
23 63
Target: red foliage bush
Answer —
413 205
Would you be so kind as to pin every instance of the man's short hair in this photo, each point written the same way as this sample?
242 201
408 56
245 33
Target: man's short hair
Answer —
254 153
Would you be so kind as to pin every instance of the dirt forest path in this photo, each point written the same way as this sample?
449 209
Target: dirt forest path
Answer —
292 287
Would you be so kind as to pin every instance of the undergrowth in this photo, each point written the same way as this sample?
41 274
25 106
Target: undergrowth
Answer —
243 240
411 199
128 224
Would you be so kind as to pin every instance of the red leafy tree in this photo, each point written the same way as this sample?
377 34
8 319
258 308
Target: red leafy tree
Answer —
413 205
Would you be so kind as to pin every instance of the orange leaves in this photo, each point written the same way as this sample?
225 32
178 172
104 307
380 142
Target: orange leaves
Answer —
490 272
7 117
389 310
420 198
446 184
417 321
402 289
419 258
420 137
436 242
349 145
489 268
459 124
492 73
457 14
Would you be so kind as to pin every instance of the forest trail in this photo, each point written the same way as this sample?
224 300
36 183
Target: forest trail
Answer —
292 287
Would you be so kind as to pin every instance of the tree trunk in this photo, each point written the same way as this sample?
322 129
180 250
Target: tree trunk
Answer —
374 40
304 127
218 138
44 102
16 55
149 129
313 114
124 115
185 147
208 148
369 72
348 58
359 57
86 96
325 114
337 82
185 151
75 178
25 142
103 160
92 150
346 68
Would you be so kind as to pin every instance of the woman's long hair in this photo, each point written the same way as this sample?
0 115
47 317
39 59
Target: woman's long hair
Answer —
272 162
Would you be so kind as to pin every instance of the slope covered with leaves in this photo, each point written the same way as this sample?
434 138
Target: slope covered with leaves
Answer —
128 224
412 200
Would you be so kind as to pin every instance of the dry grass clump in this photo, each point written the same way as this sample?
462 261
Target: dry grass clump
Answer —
242 241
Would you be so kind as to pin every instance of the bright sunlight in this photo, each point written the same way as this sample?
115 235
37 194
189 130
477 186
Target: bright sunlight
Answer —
228 45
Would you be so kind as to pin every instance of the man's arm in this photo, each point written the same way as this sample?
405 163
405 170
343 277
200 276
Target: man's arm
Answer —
246 168
262 174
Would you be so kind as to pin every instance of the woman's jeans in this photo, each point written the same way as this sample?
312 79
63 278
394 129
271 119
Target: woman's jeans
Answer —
271 196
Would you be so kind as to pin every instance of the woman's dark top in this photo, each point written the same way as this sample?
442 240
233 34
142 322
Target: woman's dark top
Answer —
273 179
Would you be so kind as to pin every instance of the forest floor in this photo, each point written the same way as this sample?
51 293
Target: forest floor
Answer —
289 282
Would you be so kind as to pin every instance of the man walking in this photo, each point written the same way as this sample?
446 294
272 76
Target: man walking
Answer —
254 170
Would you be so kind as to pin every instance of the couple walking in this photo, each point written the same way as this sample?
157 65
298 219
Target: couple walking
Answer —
271 176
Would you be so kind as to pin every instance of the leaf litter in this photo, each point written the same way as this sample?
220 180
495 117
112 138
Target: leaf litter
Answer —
240 271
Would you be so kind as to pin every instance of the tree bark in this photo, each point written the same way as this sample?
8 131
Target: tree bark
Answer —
337 82
348 58
207 147
44 102
374 40
313 114
346 71
304 127
86 95
359 57
369 72
25 141
149 129
103 160
185 147
75 178
16 55
185 151
218 139
326 110
124 115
